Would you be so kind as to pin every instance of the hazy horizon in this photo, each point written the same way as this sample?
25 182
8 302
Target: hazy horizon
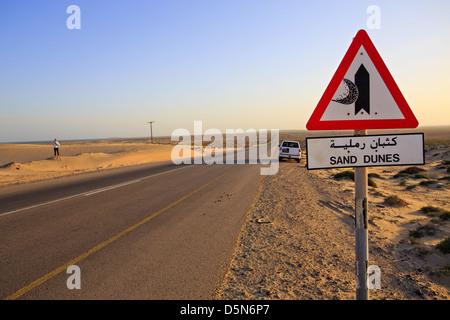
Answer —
312 133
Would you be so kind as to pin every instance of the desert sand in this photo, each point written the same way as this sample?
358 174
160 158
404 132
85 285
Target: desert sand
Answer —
24 163
298 239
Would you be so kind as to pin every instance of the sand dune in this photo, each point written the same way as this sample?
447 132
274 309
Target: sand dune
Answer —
23 163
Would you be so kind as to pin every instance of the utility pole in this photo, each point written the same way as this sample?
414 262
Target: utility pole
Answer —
151 129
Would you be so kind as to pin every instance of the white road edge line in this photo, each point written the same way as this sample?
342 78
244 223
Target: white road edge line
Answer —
111 187
91 192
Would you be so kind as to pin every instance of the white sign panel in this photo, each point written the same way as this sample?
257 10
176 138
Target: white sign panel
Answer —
380 104
365 151
362 94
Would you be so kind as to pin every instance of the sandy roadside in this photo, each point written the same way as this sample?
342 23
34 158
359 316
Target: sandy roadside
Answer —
298 240
25 163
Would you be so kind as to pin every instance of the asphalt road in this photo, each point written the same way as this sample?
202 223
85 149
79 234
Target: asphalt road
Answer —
155 231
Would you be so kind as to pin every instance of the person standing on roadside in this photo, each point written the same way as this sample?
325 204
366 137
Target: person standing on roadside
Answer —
56 148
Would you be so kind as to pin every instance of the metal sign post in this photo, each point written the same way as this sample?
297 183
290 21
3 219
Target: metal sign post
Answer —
361 234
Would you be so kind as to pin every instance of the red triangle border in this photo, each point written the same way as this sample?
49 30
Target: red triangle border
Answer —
409 121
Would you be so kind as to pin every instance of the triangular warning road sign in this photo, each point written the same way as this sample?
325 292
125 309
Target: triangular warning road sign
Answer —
362 94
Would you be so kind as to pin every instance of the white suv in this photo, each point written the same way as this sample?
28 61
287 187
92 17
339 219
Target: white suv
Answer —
290 150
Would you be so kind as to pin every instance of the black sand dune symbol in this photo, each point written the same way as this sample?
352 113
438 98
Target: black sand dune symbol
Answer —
350 93
357 92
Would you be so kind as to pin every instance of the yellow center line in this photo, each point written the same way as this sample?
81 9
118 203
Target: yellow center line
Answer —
86 254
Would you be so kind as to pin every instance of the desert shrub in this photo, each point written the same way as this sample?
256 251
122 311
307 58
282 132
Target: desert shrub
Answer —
428 209
345 175
413 240
445 178
421 176
401 175
432 211
444 245
374 175
395 201
421 251
426 183
372 183
421 231
444 271
410 187
444 215
415 234
412 170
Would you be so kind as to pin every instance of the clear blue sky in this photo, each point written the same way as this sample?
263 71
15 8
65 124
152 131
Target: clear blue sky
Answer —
231 63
